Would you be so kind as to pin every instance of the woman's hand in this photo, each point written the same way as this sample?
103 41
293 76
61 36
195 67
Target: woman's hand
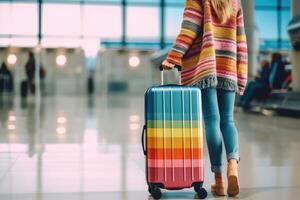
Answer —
167 65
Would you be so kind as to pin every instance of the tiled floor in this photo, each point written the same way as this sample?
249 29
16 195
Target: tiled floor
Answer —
86 149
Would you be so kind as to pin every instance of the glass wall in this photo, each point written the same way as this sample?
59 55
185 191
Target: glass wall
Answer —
143 23
272 18
14 25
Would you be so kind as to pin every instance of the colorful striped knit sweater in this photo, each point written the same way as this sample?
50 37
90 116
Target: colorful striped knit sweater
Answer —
212 54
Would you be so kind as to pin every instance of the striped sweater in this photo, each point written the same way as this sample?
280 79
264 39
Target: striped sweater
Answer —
211 54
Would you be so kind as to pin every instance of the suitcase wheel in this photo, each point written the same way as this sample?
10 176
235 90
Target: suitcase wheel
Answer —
154 191
201 192
149 189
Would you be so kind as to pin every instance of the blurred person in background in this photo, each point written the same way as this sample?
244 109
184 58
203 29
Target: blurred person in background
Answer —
30 71
43 74
277 71
258 88
212 50
287 83
6 79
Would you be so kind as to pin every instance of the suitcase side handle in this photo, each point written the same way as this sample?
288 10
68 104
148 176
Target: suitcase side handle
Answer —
143 140
161 68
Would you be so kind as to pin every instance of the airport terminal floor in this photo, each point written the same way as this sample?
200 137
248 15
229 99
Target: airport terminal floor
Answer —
88 148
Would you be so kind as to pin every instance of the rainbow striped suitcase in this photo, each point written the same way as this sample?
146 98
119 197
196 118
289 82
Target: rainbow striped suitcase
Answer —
173 139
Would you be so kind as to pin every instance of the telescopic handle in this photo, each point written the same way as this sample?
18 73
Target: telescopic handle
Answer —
161 68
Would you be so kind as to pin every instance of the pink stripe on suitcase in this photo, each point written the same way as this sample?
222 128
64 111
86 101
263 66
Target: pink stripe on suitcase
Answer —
175 163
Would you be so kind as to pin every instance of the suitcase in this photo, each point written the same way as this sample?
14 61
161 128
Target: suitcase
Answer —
24 88
172 138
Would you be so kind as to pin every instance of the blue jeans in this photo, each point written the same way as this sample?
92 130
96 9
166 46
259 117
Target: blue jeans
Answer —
218 106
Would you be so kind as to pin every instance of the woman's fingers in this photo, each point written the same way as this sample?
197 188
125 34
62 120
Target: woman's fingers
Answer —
167 65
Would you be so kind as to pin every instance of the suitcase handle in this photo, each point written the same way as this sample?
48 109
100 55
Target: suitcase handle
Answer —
143 140
161 68
178 67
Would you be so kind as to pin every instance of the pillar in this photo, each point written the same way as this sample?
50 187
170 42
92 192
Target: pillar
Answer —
295 10
252 36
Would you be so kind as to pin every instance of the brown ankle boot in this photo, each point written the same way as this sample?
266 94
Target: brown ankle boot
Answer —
218 188
232 175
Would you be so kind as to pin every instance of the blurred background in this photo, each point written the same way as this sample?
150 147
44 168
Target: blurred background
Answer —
72 79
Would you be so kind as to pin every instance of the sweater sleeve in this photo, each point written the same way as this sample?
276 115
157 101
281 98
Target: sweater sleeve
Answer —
190 27
242 53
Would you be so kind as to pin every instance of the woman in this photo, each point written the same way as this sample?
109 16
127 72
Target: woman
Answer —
6 79
212 50
30 71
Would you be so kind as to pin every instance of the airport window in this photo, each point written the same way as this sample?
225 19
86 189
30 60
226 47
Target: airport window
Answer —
61 25
175 2
270 3
273 28
146 25
24 25
95 23
285 19
12 20
269 18
286 3
102 1
4 16
173 22
144 1
17 30
64 1
61 20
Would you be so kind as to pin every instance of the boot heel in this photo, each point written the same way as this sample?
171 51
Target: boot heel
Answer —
233 186
218 190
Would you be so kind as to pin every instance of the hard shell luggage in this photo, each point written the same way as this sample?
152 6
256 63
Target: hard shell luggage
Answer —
172 138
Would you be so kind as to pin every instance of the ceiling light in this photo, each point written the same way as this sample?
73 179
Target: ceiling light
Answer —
61 60
12 59
134 61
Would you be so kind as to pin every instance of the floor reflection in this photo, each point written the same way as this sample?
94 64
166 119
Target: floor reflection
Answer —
89 148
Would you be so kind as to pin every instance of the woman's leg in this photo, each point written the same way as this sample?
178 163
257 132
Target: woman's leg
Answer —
230 136
212 128
213 137
226 106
